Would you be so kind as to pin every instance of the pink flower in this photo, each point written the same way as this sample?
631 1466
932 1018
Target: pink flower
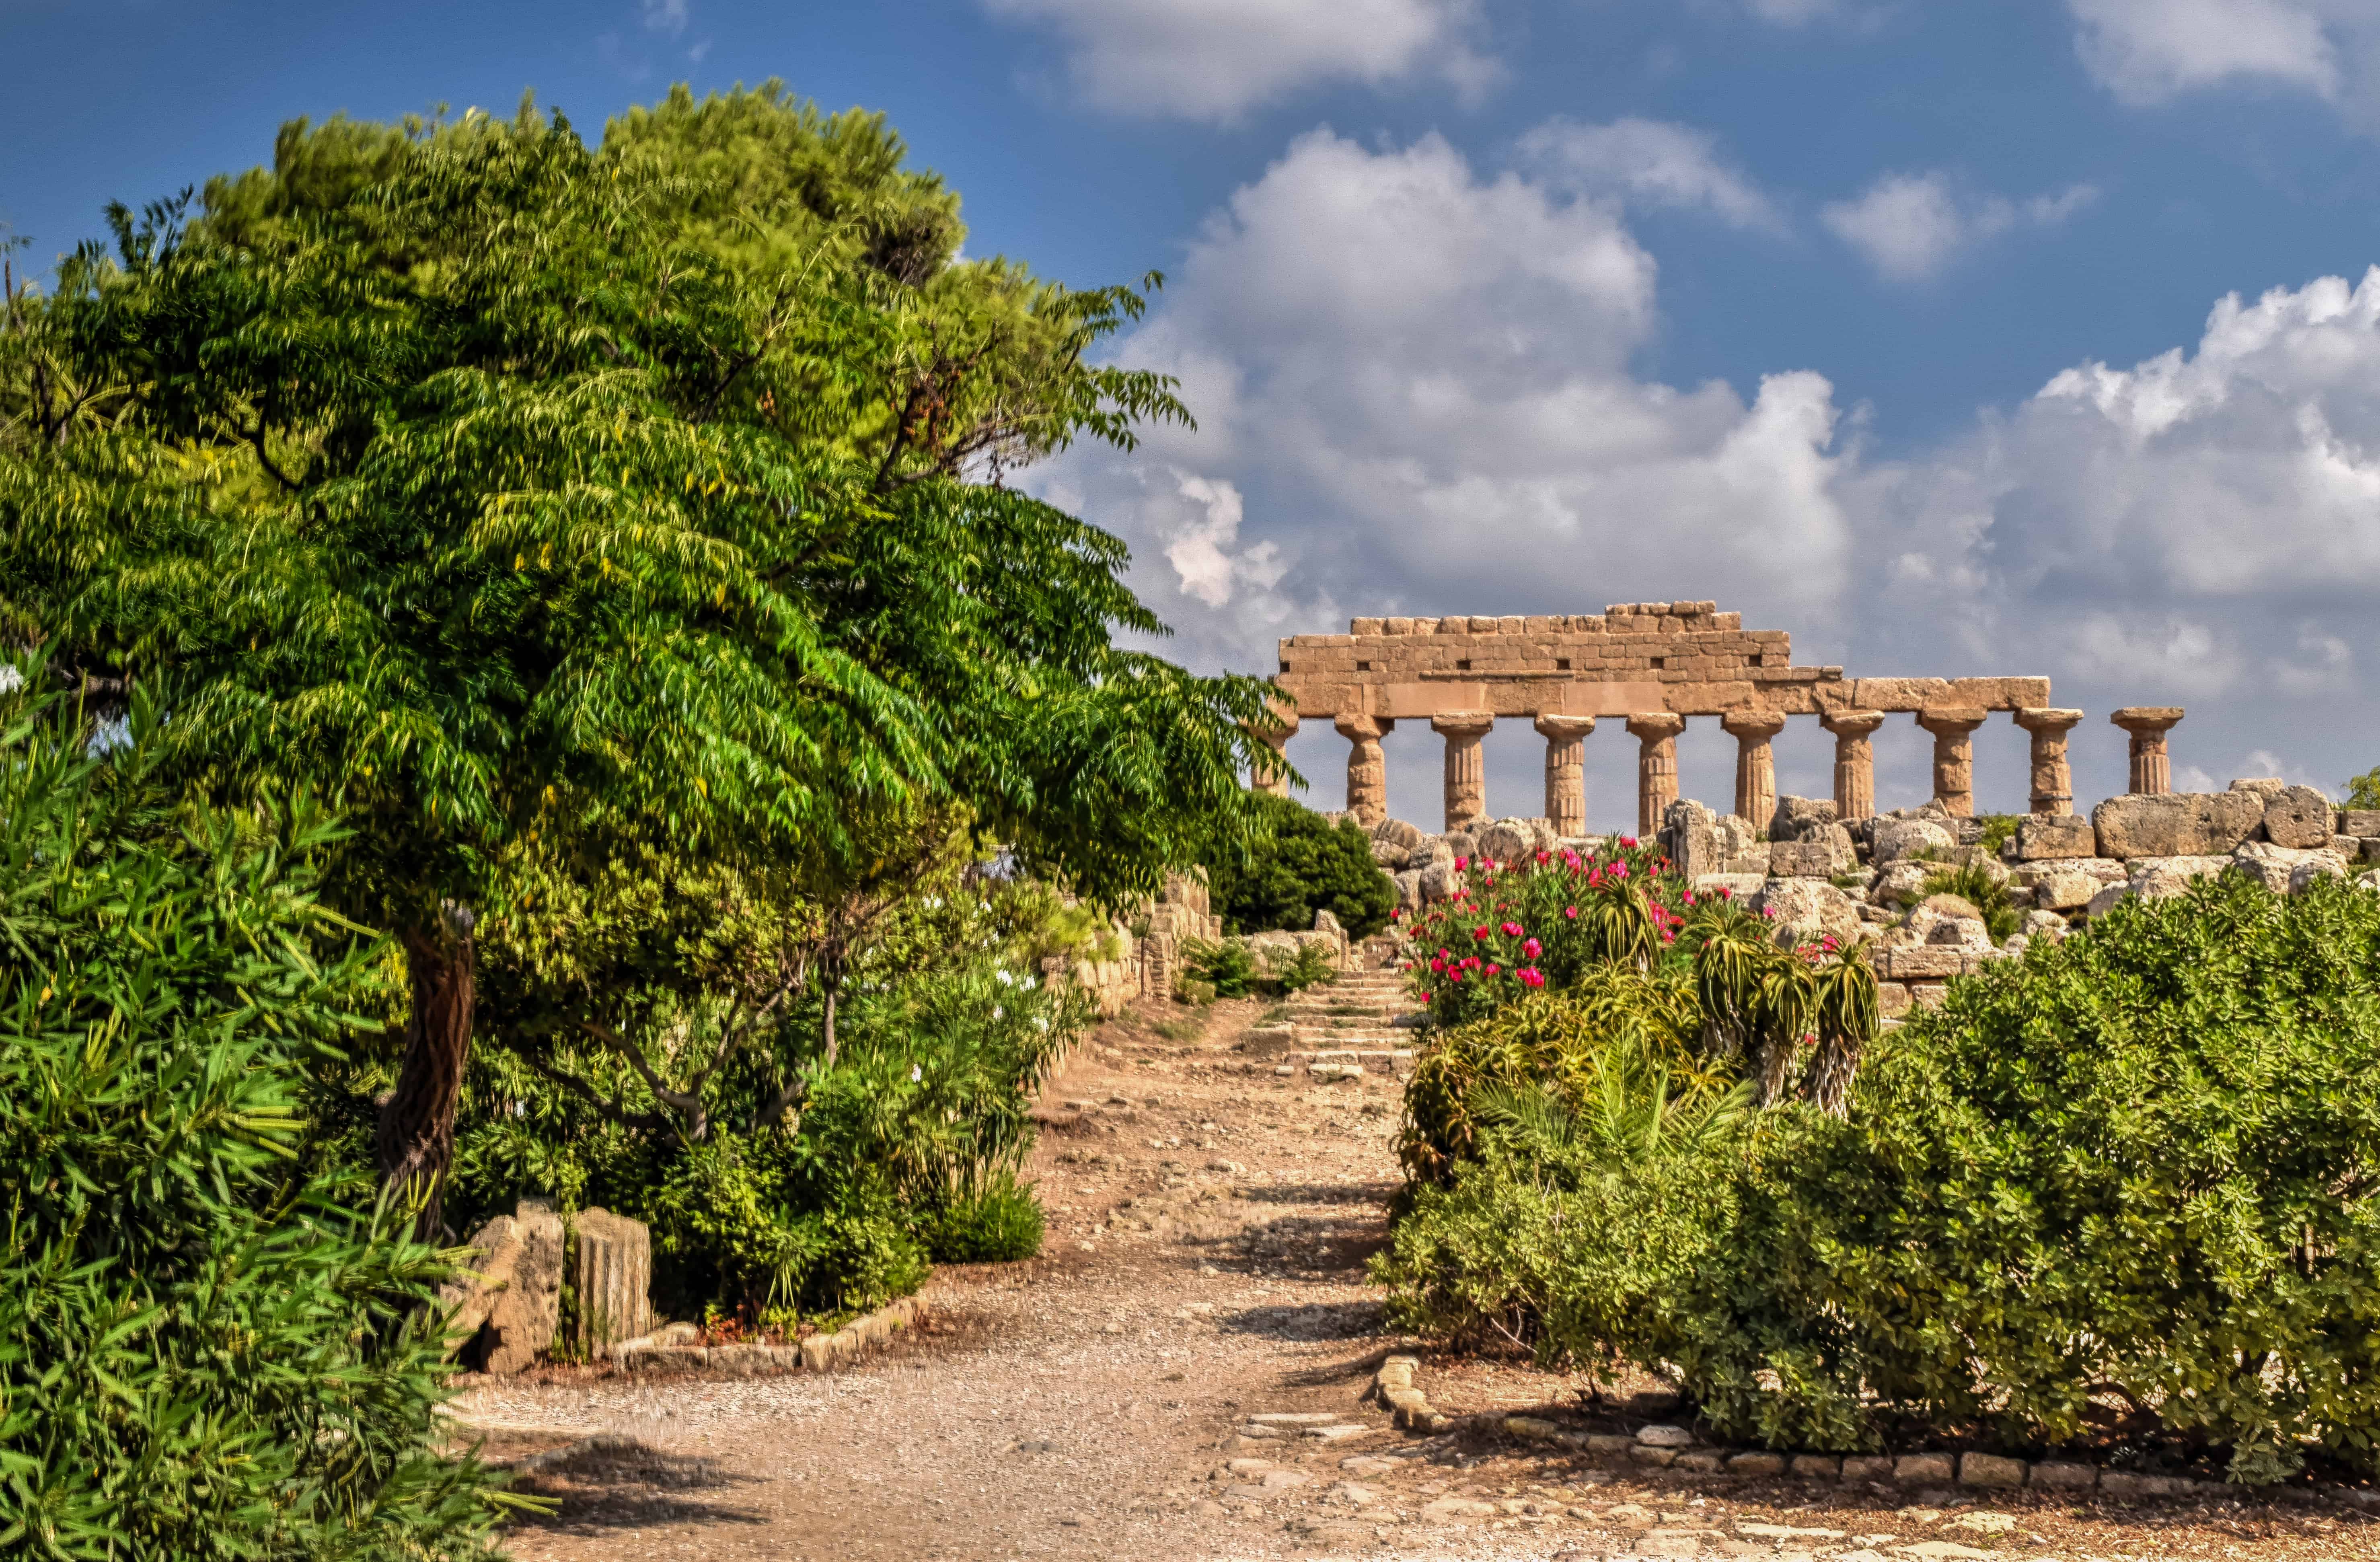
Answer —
1480 933
1495 970
1628 841
1690 900
1439 967
1460 863
1425 997
1531 977
1511 929
1769 913
1571 911
1532 948
1725 893
1543 858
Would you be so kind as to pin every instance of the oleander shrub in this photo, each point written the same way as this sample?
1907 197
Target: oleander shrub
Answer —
1297 864
213 1342
2122 1186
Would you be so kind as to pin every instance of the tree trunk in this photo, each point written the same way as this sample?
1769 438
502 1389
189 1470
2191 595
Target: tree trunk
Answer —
417 1122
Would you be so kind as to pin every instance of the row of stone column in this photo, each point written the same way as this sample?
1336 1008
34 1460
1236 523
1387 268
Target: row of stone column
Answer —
1755 765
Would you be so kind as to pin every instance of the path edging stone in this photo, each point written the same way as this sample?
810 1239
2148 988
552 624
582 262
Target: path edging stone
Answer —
652 1357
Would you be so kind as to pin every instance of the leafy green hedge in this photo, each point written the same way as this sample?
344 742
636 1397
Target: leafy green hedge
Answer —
2123 1184
210 1346
1299 866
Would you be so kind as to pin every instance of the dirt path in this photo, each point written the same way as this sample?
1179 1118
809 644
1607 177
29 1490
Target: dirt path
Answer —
1210 1214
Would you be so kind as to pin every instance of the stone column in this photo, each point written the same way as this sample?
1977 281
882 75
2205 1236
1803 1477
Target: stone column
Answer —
1272 775
1466 769
1854 761
2151 769
1368 771
1657 767
2053 778
1755 763
1566 771
1954 757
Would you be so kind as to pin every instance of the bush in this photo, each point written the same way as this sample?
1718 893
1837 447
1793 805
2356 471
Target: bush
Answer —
1226 970
1311 968
215 1344
943 1049
2122 1183
1300 864
999 1223
1973 883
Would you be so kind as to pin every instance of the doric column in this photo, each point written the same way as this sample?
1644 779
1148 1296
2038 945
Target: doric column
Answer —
2152 770
1954 757
2053 778
1467 771
1854 761
1566 771
1368 771
1755 763
1271 775
1657 767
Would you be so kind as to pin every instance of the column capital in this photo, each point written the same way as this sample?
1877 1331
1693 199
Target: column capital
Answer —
1653 725
1275 728
1753 724
1953 720
1355 727
2045 719
1851 723
1462 723
2144 720
1562 728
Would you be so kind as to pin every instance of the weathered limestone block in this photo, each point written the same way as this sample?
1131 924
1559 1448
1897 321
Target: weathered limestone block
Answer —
2361 822
1437 882
2266 787
614 1278
1398 833
1392 858
1409 897
1739 886
2039 925
1898 838
1810 909
1796 817
1691 839
1901 884
1508 840
2298 817
2283 869
2045 835
506 1308
1823 854
2176 823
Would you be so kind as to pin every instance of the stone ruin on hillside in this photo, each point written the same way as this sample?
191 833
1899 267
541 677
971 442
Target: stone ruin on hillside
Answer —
1654 665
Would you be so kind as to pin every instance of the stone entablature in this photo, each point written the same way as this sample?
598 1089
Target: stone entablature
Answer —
1652 665
1683 657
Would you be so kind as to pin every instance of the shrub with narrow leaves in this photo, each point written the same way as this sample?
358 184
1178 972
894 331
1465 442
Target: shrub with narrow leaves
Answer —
210 1345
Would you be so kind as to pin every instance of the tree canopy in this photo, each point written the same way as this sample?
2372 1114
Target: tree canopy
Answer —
519 497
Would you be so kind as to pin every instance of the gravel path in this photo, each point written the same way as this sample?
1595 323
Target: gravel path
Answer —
1210 1220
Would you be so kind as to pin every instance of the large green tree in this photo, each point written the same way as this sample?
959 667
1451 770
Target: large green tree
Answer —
519 496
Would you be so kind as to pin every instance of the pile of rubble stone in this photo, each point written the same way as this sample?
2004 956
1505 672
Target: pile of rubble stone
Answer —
1863 882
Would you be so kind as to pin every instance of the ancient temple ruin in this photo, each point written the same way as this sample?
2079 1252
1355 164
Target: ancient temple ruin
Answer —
1653 665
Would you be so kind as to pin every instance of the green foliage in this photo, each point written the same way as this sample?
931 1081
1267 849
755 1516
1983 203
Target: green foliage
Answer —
214 1343
998 1223
777 1179
1998 830
542 505
1294 865
1310 968
2364 791
1974 883
2120 1184
1227 970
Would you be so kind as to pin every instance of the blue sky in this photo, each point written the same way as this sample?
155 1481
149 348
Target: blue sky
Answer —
1898 325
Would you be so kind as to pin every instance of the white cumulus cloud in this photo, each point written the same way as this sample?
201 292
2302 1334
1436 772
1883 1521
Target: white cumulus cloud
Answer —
1652 163
1912 226
1215 59
2147 50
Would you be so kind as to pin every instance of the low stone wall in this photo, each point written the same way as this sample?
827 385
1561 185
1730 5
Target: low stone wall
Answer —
663 1355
